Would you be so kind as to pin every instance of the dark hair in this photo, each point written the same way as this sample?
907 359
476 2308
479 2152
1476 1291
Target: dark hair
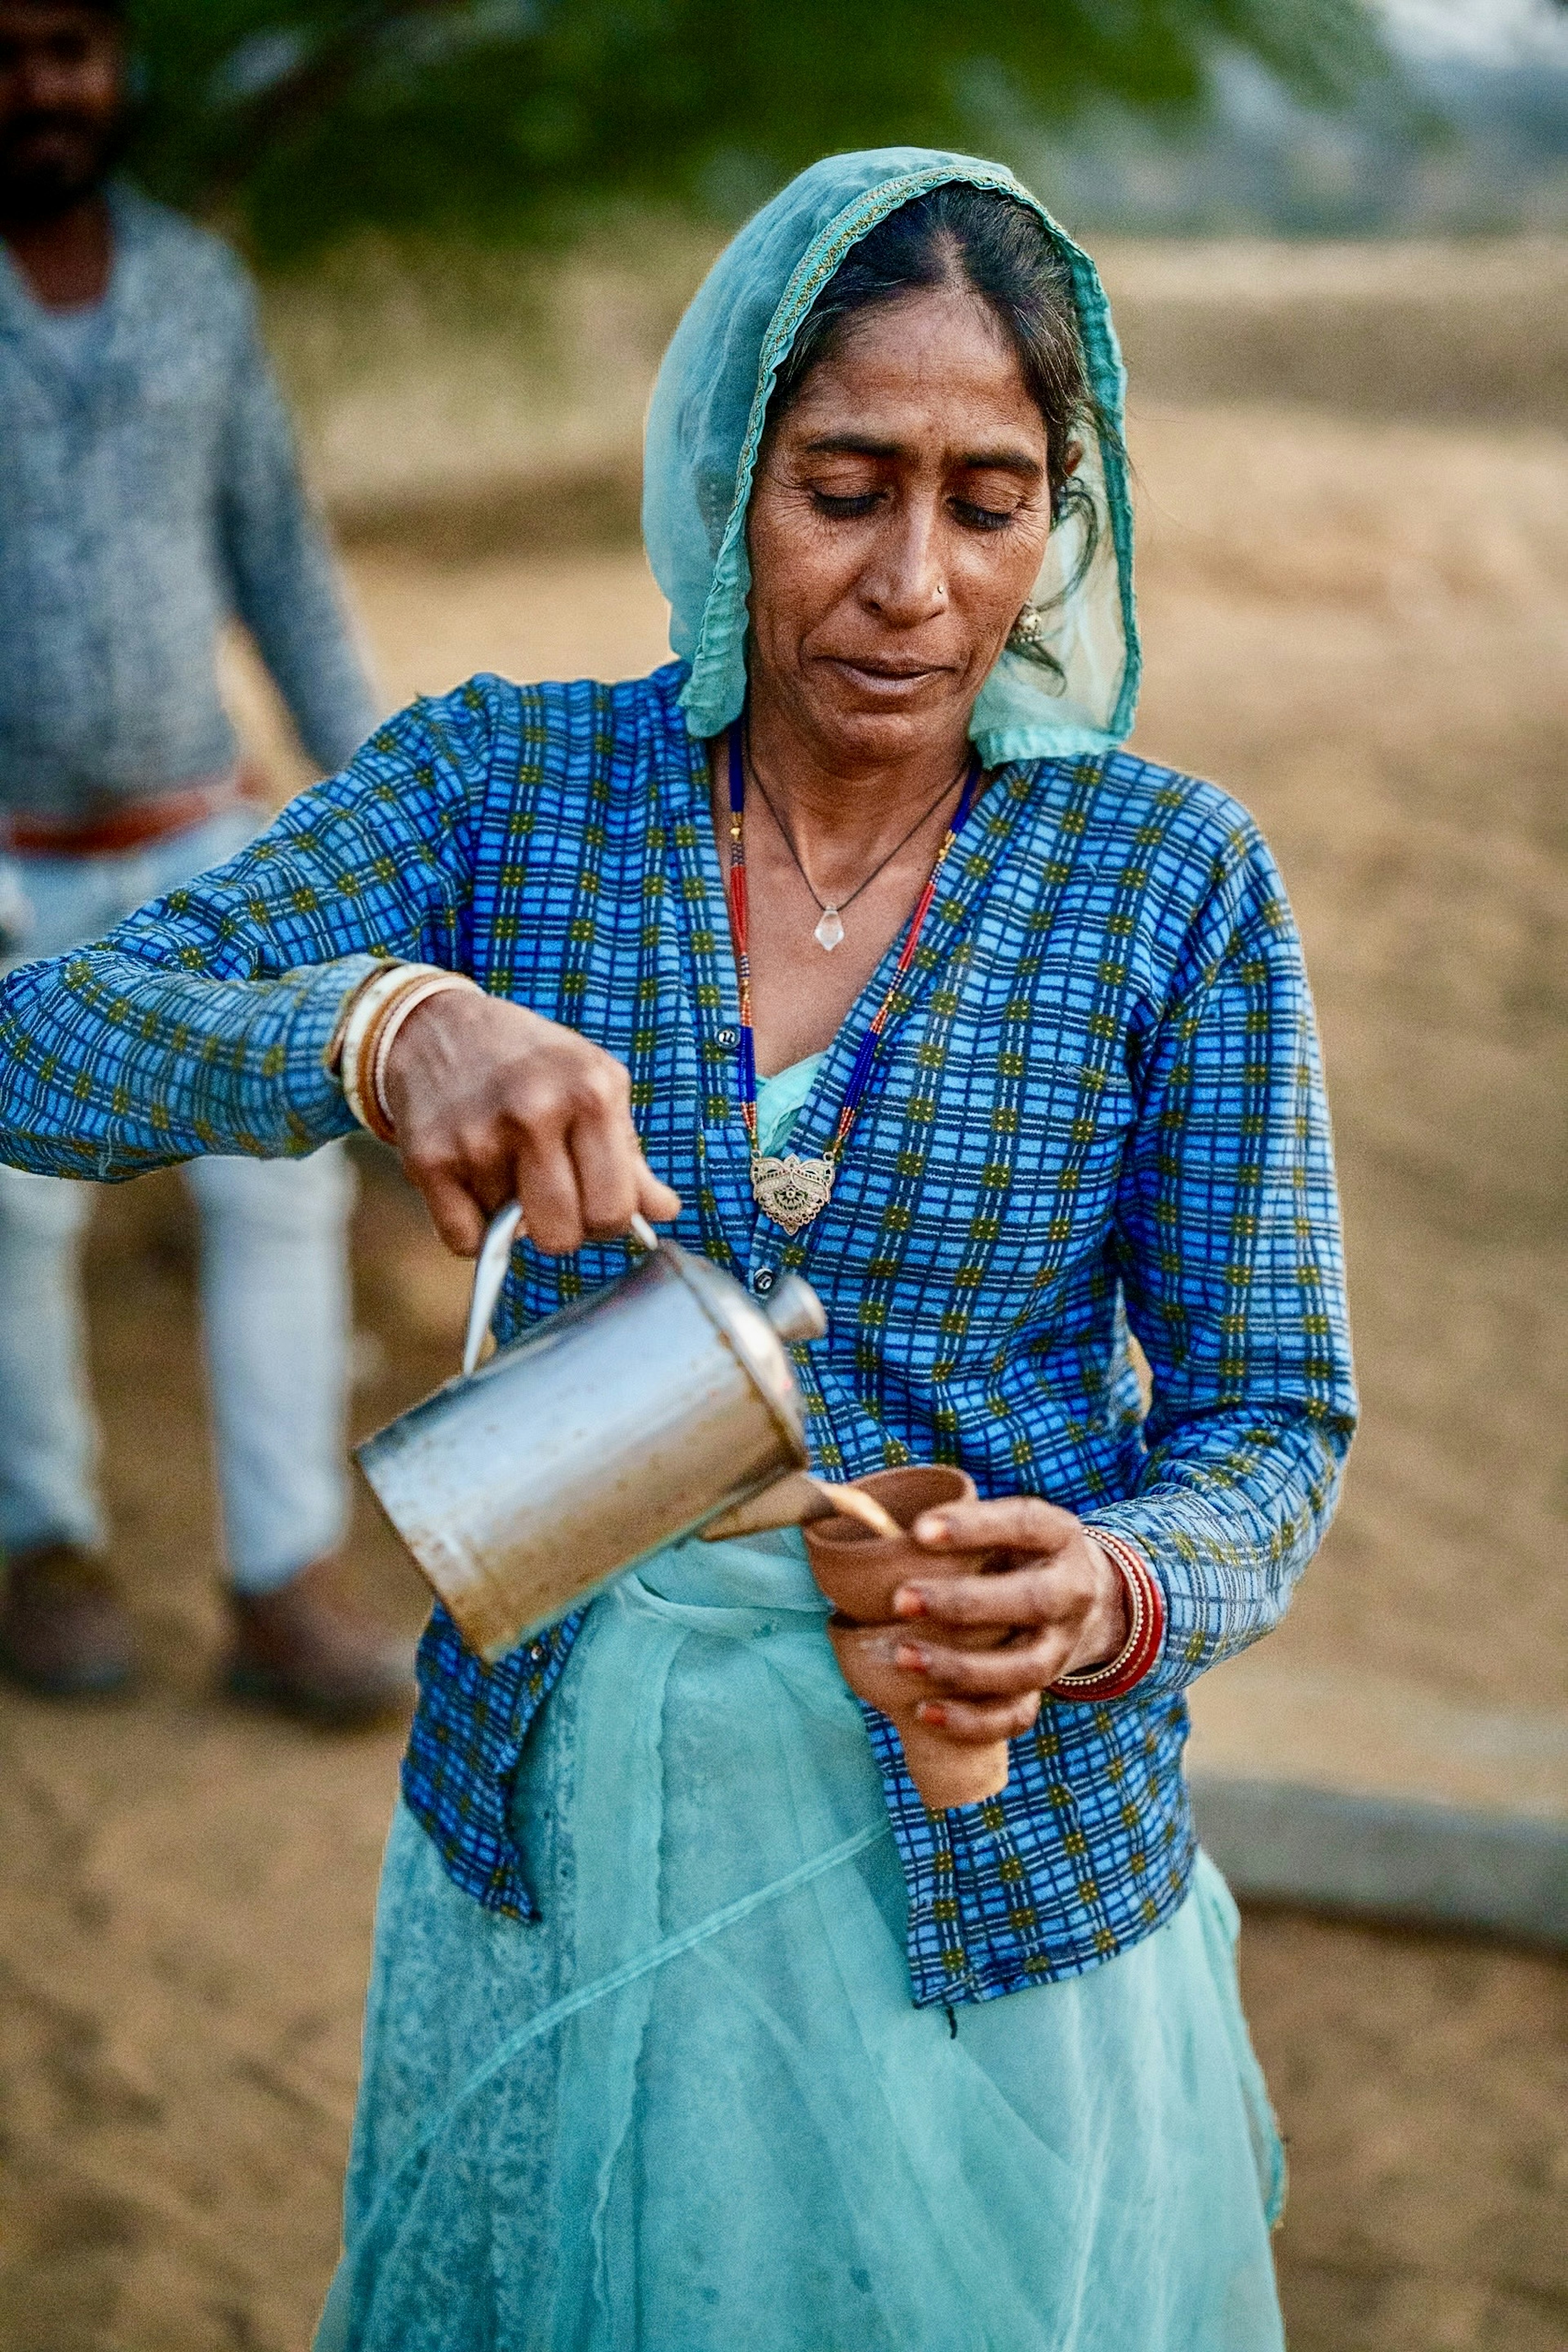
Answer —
989 241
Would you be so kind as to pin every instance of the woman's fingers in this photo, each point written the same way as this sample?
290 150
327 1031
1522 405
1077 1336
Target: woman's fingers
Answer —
1035 1595
980 1725
492 1103
545 1184
1011 1671
607 1155
997 1702
1020 1523
655 1200
604 1149
453 1212
1059 1606
1071 1606
588 1186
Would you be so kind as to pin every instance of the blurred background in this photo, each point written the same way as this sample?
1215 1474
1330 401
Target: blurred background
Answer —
1336 240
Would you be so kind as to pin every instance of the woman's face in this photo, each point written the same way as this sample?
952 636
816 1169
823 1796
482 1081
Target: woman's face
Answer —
898 521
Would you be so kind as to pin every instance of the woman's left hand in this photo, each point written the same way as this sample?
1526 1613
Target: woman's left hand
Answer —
1057 1595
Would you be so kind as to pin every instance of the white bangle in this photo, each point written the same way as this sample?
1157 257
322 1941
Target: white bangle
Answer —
434 984
355 1054
345 1050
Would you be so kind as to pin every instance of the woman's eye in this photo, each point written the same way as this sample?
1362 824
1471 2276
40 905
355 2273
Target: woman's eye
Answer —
983 517
842 508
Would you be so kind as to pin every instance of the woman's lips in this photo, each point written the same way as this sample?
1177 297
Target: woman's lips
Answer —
886 683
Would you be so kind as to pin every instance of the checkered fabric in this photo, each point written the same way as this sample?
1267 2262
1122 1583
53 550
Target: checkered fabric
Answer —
1099 1107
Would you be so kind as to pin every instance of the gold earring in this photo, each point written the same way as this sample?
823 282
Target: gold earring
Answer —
1024 636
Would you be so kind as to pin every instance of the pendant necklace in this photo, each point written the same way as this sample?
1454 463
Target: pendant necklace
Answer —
793 1191
830 931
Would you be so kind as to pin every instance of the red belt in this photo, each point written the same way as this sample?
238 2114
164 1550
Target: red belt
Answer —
129 828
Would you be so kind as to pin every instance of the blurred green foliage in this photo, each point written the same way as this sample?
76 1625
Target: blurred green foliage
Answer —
301 120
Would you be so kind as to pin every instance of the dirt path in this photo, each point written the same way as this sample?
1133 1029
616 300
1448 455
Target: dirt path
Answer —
1360 630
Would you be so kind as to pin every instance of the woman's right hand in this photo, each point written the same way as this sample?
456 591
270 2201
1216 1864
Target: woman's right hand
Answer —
492 1104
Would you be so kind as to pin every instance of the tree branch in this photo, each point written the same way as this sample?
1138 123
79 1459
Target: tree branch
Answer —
301 97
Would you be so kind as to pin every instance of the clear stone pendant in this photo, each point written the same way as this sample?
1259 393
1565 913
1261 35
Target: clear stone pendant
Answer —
829 933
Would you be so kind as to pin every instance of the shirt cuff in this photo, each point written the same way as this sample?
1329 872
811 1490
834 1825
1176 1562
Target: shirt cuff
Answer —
314 1105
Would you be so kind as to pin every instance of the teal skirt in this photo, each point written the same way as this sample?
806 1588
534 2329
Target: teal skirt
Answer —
691 2108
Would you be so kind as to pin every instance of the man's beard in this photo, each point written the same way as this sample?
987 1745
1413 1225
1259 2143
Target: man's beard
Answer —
34 193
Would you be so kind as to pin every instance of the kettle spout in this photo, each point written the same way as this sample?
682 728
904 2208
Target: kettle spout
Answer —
789 1502
796 1312
794 1501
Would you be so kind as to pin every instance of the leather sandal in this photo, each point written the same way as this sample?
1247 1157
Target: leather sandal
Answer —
301 1650
64 1629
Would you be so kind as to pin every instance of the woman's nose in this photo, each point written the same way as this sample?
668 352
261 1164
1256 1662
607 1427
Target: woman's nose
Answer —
906 580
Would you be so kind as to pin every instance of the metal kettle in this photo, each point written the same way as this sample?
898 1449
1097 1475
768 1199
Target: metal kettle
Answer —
664 1403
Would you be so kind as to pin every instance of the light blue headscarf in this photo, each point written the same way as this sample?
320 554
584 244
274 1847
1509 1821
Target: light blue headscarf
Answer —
704 427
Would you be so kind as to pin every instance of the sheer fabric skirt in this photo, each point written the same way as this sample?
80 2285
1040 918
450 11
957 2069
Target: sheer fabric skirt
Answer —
691 2108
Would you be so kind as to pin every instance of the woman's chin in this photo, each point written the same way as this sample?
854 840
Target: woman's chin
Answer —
867 727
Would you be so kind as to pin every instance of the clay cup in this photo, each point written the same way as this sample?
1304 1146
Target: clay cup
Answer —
860 1572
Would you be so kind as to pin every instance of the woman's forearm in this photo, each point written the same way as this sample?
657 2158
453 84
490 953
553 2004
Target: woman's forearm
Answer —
111 1066
1233 1274
1228 1516
200 1024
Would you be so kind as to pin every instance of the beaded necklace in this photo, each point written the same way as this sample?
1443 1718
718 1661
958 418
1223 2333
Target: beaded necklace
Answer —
793 1191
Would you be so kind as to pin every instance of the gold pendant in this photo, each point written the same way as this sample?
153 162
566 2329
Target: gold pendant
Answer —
793 1191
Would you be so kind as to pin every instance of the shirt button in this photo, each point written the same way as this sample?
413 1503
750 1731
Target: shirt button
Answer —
763 1280
727 1038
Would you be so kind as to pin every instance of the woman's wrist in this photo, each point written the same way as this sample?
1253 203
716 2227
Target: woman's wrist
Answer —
361 1046
1146 1625
1107 1624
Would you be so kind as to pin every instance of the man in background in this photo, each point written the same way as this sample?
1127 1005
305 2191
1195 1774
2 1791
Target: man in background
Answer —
148 491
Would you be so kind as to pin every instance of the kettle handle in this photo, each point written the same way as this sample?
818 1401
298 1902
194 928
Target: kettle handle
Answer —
495 1256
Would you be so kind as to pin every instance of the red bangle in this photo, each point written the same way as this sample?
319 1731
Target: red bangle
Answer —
1146 1634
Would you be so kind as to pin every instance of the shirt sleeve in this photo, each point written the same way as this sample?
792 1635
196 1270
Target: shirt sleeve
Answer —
285 585
200 1024
1233 1271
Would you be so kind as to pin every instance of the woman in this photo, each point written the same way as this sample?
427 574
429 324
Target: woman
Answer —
689 2026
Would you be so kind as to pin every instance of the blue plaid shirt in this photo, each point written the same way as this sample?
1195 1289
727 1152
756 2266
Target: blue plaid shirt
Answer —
1099 1109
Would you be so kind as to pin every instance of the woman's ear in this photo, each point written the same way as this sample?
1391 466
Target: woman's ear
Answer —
1073 458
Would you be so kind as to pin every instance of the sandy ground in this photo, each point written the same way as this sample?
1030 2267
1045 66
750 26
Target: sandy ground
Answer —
1360 628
